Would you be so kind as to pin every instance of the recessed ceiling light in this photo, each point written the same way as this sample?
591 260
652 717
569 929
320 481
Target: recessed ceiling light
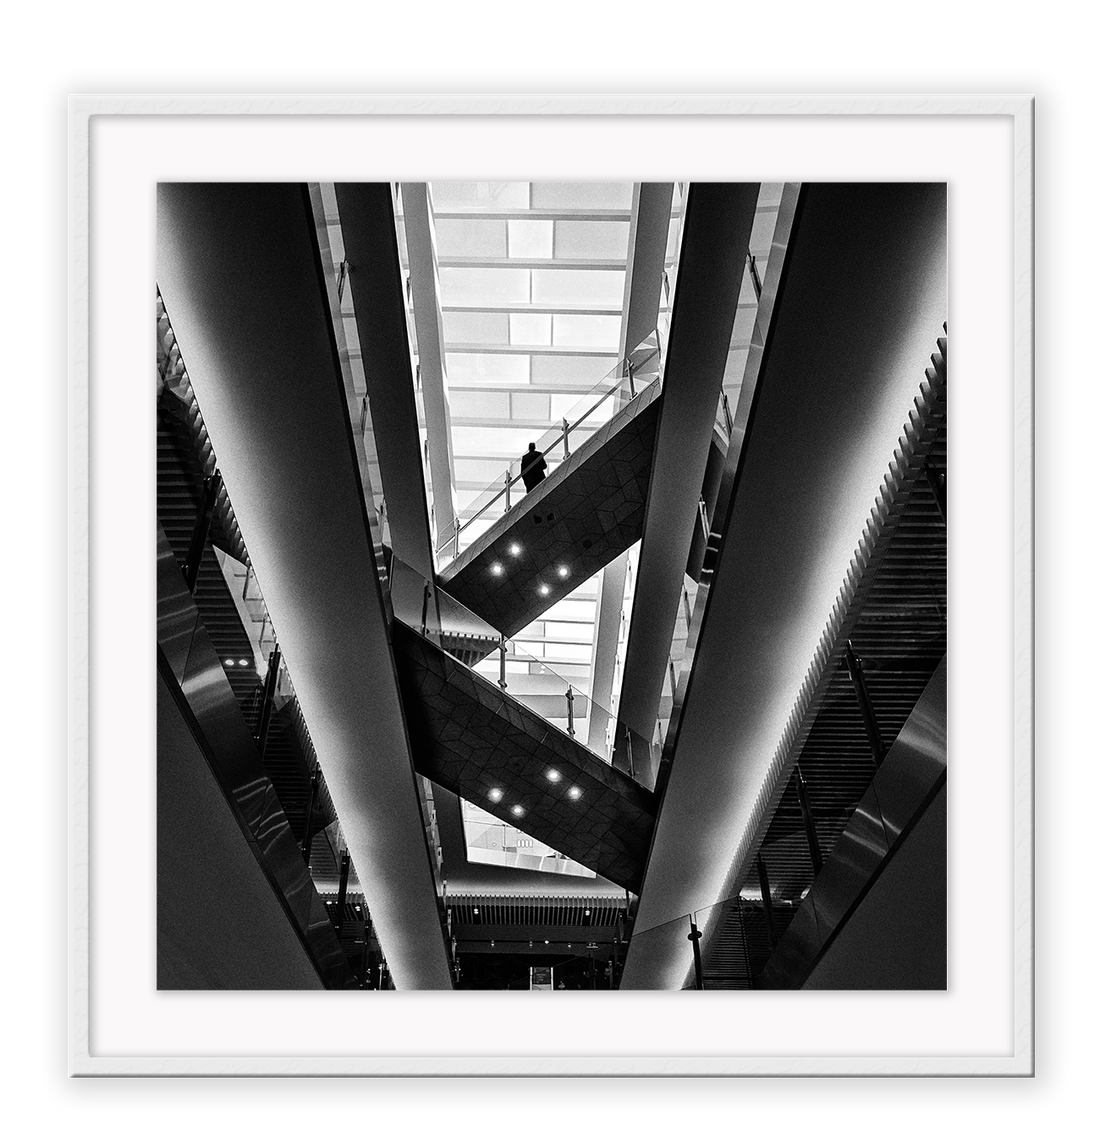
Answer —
574 792
496 794
497 569
242 662
477 911
229 662
563 572
517 810
553 775
546 941
544 589
514 549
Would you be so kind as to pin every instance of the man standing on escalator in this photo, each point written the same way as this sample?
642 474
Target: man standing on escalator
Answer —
532 467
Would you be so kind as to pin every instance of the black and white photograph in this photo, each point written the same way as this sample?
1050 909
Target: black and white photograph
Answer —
539 582
551 586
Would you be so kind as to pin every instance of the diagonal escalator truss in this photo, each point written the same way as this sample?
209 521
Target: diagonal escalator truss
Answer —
486 746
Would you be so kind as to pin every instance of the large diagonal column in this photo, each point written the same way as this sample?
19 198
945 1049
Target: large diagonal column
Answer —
428 317
377 287
717 226
645 264
241 277
863 296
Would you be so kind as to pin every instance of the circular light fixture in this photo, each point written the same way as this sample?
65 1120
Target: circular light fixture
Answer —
496 794
574 792
517 810
544 589
477 911
553 775
563 572
229 662
497 569
242 662
587 911
514 549
546 941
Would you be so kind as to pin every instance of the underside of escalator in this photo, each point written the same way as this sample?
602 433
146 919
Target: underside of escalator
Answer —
474 739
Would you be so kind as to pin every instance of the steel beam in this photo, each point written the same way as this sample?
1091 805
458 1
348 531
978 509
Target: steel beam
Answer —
717 226
428 319
240 272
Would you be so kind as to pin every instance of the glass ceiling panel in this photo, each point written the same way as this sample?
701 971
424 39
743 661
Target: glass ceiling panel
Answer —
591 239
599 332
480 196
581 195
577 288
488 368
476 328
528 239
460 286
530 328
471 238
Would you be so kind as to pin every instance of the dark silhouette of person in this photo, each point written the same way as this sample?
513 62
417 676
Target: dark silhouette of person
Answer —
532 467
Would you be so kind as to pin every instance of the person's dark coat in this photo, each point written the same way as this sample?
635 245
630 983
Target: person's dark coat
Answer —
532 468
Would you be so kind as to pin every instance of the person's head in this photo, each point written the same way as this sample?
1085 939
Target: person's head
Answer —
531 446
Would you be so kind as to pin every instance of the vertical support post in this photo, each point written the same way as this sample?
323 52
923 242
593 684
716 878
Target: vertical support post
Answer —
424 611
808 820
311 808
364 962
565 435
704 523
508 489
630 376
937 481
629 753
695 936
766 897
268 706
757 287
342 893
745 942
502 681
729 416
211 486
870 724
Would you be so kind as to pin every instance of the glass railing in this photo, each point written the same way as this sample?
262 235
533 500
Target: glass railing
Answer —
456 630
630 377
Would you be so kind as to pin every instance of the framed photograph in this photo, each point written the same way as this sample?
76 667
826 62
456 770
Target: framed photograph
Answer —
142 182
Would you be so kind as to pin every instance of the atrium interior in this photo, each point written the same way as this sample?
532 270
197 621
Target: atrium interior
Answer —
663 708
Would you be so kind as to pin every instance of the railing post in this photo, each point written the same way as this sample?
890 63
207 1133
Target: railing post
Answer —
342 894
937 481
311 805
766 898
211 486
502 681
726 410
755 276
508 488
569 703
629 753
703 521
630 376
424 611
808 820
565 435
269 699
870 723
695 936
345 269
744 941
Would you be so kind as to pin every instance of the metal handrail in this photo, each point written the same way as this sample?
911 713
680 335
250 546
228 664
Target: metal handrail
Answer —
562 436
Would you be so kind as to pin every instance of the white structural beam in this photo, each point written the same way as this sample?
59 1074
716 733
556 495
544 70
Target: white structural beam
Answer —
842 366
240 272
645 264
428 318
717 225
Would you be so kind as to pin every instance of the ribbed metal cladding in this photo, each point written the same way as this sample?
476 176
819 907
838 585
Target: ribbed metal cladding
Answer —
893 610
537 911
184 459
